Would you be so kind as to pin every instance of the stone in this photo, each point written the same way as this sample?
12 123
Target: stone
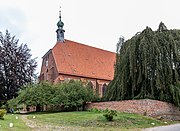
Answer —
10 125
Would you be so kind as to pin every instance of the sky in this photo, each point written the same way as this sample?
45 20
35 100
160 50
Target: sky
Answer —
97 23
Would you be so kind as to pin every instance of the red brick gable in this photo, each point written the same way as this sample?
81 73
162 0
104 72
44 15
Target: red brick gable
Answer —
81 60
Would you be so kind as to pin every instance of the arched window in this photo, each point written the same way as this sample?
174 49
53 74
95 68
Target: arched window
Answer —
97 88
90 85
104 88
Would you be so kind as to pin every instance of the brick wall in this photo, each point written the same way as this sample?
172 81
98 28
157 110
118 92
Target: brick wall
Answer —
144 106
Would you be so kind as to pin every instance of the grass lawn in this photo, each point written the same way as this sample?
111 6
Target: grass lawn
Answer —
80 121
18 124
96 121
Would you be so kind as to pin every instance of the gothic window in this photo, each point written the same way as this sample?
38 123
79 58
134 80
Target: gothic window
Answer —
90 85
97 88
104 88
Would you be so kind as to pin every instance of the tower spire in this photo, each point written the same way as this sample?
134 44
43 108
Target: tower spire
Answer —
60 31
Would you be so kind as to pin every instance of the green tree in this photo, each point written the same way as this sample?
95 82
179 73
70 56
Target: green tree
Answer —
35 95
72 94
16 66
69 95
147 65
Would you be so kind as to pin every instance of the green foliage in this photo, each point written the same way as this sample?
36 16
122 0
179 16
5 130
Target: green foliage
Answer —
12 103
146 66
109 114
69 95
175 92
95 110
2 113
33 95
72 94
3 107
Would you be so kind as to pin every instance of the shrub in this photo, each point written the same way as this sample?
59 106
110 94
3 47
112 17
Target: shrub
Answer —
109 114
3 107
95 110
2 113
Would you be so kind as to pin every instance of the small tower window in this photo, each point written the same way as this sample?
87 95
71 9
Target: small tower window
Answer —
46 63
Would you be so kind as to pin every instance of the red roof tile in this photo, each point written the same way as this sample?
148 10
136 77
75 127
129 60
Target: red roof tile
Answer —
77 59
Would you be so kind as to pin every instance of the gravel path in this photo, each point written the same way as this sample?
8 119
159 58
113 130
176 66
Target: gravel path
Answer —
175 127
40 127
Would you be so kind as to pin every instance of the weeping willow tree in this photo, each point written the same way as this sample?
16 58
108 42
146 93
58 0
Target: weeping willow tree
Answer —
147 66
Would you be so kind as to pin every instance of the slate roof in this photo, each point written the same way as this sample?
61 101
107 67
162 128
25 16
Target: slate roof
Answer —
82 60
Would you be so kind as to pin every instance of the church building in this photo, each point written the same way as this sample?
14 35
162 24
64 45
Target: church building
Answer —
72 60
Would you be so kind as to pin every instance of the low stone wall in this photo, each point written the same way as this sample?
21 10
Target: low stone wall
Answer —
144 107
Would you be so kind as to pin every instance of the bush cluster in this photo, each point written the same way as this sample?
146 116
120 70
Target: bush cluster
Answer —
70 95
2 113
108 114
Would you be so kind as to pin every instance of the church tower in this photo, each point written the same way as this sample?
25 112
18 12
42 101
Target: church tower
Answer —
60 31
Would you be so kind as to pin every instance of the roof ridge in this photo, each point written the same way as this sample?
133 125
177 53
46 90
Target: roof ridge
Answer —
87 45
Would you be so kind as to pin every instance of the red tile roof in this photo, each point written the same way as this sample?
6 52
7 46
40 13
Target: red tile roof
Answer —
81 60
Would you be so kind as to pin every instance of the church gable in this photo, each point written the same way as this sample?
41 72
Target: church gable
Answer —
48 69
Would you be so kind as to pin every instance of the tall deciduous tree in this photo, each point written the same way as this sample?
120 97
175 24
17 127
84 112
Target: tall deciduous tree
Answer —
16 66
147 65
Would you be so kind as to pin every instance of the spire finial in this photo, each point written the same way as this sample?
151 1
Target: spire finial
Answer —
60 12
